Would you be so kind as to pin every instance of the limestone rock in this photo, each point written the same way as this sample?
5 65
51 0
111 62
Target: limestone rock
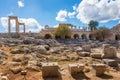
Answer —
15 51
16 70
75 68
98 69
34 68
41 49
96 55
50 69
12 64
86 48
109 51
17 58
3 55
84 54
110 62
24 72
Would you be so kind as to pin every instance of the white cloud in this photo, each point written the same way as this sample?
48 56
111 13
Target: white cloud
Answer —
31 24
119 22
100 10
61 16
71 14
20 3
55 26
74 7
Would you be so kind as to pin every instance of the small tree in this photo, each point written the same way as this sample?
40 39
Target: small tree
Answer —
93 25
63 31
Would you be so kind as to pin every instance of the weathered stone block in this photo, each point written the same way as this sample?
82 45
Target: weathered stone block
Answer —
50 69
109 51
86 48
105 46
84 54
110 62
96 55
98 69
76 68
16 70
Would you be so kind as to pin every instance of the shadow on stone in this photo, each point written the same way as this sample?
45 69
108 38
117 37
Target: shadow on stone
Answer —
106 76
59 77
80 76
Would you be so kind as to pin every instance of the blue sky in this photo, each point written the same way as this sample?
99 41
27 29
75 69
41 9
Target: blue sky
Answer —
37 13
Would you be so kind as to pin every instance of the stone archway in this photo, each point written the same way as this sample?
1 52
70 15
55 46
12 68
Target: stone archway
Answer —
83 36
91 36
57 37
67 37
76 36
47 36
117 37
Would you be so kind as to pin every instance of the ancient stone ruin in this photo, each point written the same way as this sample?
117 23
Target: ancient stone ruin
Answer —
76 68
109 51
50 69
18 24
98 69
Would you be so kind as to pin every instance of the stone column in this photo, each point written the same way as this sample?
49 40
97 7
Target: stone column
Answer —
24 28
9 25
17 26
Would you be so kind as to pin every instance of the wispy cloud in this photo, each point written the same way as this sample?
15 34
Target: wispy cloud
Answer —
20 3
31 24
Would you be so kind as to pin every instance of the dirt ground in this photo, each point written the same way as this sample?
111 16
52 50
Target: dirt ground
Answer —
110 74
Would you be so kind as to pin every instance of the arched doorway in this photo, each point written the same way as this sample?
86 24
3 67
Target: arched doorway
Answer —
117 37
83 36
76 36
57 37
67 37
48 36
91 36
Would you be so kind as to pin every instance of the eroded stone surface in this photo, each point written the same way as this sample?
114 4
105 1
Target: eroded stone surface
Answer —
86 48
109 51
75 68
110 62
50 69
98 69
96 55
